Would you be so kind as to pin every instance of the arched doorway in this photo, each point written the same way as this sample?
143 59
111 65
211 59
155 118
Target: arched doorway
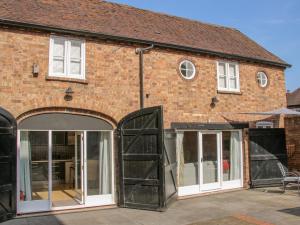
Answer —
7 165
65 161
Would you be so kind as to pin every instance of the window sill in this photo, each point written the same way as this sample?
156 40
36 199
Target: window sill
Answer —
65 79
229 92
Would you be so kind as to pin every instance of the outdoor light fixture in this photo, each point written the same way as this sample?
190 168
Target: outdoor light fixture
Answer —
35 69
69 94
214 101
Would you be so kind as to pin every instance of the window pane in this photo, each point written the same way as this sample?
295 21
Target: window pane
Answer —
210 158
190 66
222 69
231 152
98 163
222 82
75 68
232 83
188 148
232 72
75 50
59 48
58 66
184 72
33 165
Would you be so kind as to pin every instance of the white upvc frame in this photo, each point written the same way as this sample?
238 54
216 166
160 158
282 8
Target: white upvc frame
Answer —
46 205
227 76
264 124
67 58
224 185
193 66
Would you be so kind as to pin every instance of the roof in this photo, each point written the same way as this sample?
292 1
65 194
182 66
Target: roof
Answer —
116 20
293 98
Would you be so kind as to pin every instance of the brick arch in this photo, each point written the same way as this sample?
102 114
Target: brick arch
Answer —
70 110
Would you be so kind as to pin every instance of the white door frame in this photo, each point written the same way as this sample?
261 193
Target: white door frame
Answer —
46 205
215 185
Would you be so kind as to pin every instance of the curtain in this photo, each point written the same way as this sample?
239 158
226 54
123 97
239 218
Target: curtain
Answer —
105 163
180 156
25 173
235 156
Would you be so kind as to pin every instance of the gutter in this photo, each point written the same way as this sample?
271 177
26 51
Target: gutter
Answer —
102 36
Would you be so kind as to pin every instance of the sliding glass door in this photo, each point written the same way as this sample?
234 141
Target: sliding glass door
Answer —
208 161
61 169
33 194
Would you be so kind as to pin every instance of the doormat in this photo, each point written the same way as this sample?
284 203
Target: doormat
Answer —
233 220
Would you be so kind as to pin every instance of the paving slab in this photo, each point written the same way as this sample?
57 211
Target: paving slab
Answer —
245 207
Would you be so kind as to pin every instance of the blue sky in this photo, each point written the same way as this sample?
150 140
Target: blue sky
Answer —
275 24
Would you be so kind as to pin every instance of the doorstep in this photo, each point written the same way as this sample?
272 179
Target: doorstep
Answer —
210 193
65 211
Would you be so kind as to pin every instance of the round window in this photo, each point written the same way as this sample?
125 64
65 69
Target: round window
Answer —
262 79
187 69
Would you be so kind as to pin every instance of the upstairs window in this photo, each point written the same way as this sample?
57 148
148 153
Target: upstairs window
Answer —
187 69
67 58
262 79
228 77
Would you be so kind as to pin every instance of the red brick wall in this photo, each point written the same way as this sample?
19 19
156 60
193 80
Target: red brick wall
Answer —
112 86
292 132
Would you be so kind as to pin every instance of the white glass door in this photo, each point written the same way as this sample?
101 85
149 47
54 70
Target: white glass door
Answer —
210 161
79 166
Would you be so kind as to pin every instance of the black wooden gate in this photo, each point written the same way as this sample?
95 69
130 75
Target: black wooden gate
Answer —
7 165
145 164
267 150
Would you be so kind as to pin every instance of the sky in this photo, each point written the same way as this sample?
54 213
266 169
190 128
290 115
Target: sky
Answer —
274 24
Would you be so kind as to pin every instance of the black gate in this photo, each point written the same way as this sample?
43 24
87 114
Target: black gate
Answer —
267 150
7 165
145 164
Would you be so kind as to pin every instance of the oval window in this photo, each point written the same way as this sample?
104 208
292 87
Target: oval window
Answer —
262 79
187 69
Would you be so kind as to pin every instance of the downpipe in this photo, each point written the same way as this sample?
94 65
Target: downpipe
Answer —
140 52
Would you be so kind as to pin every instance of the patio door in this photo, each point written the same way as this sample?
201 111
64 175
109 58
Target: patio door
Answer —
210 160
79 166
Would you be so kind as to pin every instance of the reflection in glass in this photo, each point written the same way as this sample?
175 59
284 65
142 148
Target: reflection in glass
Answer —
187 144
231 152
33 165
210 158
98 163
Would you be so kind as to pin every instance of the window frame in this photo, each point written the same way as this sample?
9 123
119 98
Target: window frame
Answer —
193 65
227 77
67 58
264 124
259 78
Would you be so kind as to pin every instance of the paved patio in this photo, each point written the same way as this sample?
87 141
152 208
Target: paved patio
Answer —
246 207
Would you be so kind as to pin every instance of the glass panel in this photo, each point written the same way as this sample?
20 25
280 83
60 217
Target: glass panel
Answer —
99 171
232 83
232 72
75 50
63 157
78 166
187 143
58 65
210 158
59 48
34 165
75 67
231 152
222 82
222 69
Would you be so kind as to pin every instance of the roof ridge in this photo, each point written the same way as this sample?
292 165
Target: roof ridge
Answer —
169 15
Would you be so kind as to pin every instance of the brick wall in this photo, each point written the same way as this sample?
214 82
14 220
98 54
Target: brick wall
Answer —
112 86
292 132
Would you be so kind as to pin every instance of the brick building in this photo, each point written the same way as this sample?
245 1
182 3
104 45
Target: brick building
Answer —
69 73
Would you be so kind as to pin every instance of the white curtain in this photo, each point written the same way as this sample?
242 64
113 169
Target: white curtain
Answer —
25 160
180 156
105 164
235 156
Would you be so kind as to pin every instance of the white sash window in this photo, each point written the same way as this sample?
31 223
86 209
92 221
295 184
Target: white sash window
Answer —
67 58
228 77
